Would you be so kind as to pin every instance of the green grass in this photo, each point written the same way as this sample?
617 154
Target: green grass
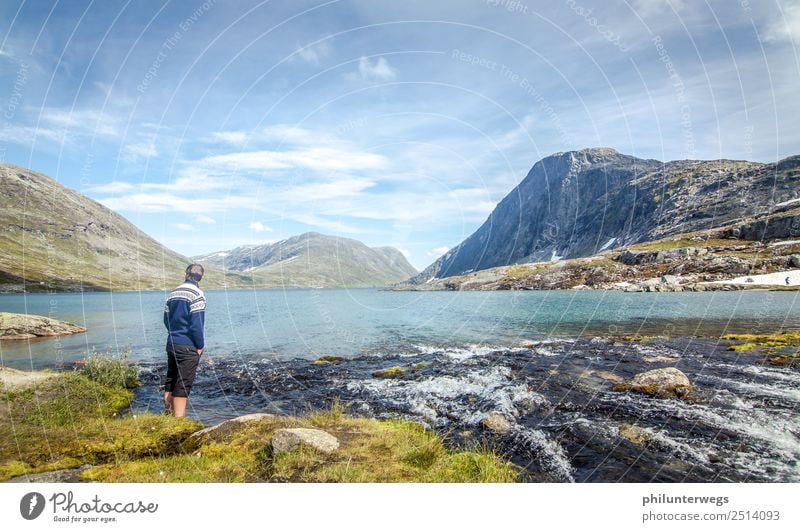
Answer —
370 451
71 420
783 349
395 372
111 370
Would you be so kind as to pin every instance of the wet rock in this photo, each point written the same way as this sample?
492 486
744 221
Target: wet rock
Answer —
663 383
287 440
228 426
395 372
328 359
634 434
497 423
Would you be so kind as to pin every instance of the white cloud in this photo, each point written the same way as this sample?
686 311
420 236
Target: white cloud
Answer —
166 202
314 53
114 187
203 219
183 227
141 150
435 253
320 159
230 137
326 191
378 71
81 122
785 27
259 227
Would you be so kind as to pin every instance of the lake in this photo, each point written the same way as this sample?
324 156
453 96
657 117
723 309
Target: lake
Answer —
285 324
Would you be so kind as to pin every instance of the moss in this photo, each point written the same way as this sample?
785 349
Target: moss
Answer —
769 343
370 451
395 372
742 347
328 359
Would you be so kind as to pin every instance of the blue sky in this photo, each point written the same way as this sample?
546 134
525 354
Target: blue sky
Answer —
221 123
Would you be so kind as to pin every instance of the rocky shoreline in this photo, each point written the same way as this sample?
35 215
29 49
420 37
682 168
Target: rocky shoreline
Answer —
26 326
689 263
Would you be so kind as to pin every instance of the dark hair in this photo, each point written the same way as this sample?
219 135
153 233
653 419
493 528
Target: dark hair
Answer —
195 272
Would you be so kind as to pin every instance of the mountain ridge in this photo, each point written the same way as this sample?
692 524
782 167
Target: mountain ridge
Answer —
579 203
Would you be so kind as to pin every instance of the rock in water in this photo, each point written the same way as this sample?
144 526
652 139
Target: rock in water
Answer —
287 440
496 423
663 383
23 326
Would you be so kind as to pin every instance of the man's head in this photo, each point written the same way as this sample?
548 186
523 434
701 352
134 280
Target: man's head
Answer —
194 272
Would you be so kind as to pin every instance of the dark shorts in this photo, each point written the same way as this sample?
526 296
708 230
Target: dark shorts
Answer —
182 361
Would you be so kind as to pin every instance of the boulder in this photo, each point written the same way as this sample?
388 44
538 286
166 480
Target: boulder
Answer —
794 261
664 383
287 440
23 326
229 425
497 423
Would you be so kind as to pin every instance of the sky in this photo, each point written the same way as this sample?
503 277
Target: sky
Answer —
219 123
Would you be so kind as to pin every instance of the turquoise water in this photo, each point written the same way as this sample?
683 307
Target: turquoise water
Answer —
286 324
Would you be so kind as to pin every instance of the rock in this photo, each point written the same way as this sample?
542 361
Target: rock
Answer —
287 440
497 423
635 434
662 383
669 279
598 275
608 376
328 359
229 425
60 475
395 372
24 326
794 261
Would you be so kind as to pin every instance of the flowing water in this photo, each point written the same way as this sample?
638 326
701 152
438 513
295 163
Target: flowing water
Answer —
544 360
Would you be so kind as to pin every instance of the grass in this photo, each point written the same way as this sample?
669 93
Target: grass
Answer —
370 451
72 420
111 370
659 245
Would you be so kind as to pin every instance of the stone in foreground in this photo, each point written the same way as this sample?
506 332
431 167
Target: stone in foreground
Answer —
664 383
230 425
287 440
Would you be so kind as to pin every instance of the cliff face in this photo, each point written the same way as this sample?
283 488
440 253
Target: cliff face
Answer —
580 203
316 260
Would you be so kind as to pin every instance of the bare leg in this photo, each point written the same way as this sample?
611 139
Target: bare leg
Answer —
168 406
178 406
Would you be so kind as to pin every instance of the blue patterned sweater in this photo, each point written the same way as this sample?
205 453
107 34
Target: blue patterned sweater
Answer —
184 315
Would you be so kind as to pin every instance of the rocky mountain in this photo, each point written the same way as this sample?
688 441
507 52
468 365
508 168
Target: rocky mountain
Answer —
315 260
54 238
580 203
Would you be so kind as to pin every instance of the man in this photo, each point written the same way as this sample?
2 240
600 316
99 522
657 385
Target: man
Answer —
184 318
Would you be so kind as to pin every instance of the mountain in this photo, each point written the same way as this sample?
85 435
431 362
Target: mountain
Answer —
579 203
54 238
315 260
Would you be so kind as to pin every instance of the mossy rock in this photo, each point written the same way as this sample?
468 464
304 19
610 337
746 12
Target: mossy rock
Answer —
395 372
328 359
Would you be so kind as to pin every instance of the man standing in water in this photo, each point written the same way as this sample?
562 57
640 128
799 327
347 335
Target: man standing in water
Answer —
184 318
